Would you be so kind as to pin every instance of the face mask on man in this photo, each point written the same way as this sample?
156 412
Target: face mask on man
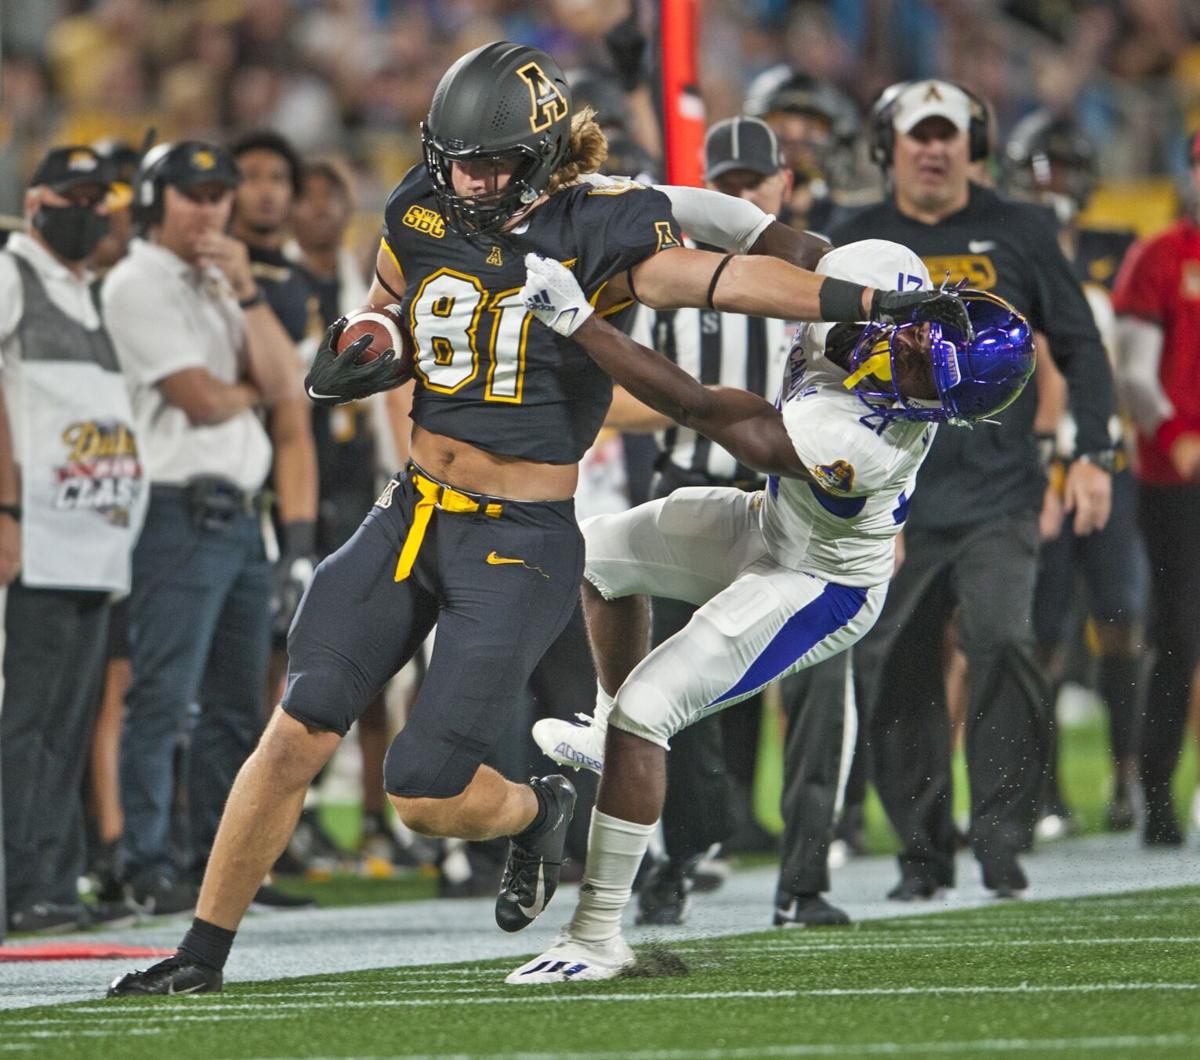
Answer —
72 232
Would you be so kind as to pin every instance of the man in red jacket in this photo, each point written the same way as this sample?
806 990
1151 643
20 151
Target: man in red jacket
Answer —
1157 299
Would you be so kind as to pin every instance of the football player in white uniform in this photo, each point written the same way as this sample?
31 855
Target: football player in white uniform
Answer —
783 578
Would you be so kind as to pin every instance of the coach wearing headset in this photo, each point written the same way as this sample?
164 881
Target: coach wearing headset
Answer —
971 535
200 349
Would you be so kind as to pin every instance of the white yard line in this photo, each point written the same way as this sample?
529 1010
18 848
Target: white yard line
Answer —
800 946
987 1045
219 1010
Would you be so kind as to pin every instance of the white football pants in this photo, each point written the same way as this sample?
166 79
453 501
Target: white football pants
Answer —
757 620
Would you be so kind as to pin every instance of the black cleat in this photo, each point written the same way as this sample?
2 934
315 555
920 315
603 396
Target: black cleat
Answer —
535 860
1003 875
1162 826
176 975
911 888
663 898
806 910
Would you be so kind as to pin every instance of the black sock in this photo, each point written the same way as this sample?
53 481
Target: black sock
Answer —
373 824
539 819
207 943
1119 686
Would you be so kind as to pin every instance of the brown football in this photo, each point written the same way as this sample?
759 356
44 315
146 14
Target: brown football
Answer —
388 330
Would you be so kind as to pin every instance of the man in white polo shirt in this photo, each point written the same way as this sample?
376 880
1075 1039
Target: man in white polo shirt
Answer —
201 351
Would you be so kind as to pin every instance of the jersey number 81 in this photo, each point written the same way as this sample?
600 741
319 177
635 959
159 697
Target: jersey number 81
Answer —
446 319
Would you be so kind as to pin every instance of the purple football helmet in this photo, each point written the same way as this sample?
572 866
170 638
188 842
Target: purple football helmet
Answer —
976 375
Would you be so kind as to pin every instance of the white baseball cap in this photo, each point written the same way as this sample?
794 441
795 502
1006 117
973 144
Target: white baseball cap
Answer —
931 99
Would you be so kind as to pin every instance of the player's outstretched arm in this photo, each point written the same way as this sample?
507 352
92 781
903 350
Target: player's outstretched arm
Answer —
768 287
743 423
737 225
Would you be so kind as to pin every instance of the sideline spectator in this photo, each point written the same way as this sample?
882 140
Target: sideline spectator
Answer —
1051 160
69 528
200 349
1157 300
971 533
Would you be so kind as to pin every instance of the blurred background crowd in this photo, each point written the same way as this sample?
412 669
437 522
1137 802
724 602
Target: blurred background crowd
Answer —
353 78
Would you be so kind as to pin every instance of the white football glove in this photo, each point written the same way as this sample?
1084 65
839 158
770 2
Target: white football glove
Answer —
553 296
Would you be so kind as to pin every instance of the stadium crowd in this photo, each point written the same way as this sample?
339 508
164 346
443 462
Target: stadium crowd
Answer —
256 142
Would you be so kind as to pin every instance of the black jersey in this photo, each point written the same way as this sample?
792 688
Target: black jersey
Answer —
487 373
1099 253
1010 248
344 437
287 290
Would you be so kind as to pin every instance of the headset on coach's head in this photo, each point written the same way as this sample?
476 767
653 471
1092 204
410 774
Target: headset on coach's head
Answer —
186 162
883 129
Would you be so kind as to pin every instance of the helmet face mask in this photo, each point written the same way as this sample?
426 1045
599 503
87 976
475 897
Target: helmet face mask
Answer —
505 103
975 376
488 211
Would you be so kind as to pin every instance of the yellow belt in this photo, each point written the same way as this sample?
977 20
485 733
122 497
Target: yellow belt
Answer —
445 498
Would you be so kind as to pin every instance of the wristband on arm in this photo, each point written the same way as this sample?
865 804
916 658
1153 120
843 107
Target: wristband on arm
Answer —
300 538
841 301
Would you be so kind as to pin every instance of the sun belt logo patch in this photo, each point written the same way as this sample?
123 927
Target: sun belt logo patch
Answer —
547 103
837 477
426 221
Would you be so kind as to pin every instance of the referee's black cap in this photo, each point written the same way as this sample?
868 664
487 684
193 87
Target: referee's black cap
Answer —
741 143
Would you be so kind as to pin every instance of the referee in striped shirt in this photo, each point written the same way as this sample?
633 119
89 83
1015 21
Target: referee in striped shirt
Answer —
710 779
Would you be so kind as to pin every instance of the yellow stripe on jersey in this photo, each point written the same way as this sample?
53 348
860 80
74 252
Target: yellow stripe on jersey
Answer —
392 254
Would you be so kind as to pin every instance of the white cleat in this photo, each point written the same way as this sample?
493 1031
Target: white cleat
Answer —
568 744
572 961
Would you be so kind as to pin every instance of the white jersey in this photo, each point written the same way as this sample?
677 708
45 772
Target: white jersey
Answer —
842 526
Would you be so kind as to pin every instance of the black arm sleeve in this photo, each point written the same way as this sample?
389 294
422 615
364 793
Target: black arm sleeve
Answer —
1061 312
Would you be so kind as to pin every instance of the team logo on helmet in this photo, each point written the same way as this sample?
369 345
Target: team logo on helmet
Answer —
547 102
203 159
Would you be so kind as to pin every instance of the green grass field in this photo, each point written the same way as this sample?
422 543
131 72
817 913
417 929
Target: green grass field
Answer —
1113 976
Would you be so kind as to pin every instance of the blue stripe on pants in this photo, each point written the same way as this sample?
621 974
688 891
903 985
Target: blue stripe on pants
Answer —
834 608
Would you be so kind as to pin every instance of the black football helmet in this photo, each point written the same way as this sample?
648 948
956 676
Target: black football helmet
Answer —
506 103
1049 158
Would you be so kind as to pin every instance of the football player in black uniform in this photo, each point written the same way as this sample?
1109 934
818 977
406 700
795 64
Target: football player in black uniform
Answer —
1050 159
478 533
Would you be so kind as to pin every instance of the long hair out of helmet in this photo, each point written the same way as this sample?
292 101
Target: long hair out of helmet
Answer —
506 104
976 375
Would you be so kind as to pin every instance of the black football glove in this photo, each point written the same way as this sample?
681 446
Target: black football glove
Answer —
906 307
334 378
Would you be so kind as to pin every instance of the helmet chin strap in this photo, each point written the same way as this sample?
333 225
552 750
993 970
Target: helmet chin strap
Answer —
879 364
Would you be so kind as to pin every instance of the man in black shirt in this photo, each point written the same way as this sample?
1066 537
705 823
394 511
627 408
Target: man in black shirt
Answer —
271 180
271 174
971 536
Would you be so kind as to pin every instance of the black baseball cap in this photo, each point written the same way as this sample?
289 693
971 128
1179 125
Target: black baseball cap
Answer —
741 143
64 168
191 164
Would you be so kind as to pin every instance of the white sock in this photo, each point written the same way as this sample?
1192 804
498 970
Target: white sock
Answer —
615 850
604 706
